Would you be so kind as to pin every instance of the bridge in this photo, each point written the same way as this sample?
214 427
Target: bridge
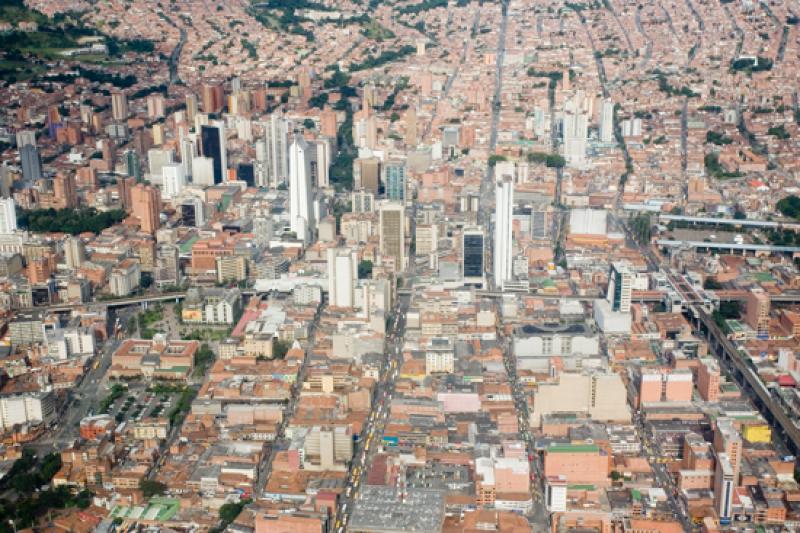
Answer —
730 246
743 223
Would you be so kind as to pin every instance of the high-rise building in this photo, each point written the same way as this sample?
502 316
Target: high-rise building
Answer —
366 173
620 287
607 121
342 277
472 241
362 201
504 205
74 252
124 186
212 140
575 130
188 153
119 106
146 206
191 107
724 486
411 126
133 167
321 163
393 232
8 216
31 163
173 180
213 97
327 122
757 306
64 190
394 179
157 158
272 156
155 105
25 137
300 194
192 212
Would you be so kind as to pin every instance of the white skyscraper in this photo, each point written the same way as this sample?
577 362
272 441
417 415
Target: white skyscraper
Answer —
342 276
300 204
188 152
173 180
504 205
607 121
576 130
8 216
322 162
271 166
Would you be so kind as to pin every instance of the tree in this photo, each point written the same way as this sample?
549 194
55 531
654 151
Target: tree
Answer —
712 284
789 206
364 269
280 348
152 488
308 124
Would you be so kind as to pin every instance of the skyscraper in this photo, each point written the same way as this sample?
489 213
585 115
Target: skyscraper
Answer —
620 286
74 252
342 276
393 232
188 152
300 204
395 180
575 130
504 205
173 180
64 190
607 121
133 166
119 106
724 486
272 159
191 107
213 97
472 250
25 137
321 164
31 164
8 216
212 139
146 206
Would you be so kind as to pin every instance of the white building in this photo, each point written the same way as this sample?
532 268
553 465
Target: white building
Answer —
556 494
300 198
576 130
588 222
607 121
342 277
124 278
271 166
8 216
71 342
203 171
173 180
25 408
503 244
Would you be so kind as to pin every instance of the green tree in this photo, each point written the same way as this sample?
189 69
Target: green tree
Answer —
364 269
152 488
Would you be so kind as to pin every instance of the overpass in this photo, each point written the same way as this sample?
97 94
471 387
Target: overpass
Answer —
731 359
743 223
731 246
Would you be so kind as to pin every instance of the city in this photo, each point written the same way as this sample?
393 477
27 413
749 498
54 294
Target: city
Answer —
364 266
